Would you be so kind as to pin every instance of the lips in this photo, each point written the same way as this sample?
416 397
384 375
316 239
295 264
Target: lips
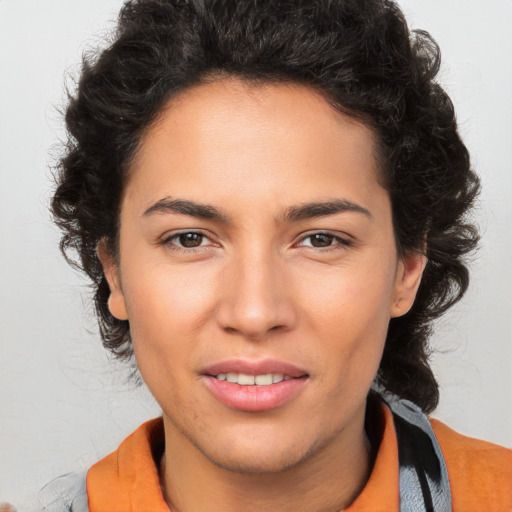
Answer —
254 386
255 368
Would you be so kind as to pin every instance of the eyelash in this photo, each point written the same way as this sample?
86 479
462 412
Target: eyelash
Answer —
341 243
337 242
167 241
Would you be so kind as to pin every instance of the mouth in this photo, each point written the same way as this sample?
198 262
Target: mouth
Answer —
243 379
254 386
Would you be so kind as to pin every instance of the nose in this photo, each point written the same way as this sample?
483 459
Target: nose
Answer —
257 297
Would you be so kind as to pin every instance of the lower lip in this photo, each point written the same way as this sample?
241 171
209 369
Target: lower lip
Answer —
254 398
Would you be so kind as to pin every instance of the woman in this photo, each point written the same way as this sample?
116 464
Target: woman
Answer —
270 199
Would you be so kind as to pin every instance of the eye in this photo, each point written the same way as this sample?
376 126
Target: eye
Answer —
323 240
187 240
320 240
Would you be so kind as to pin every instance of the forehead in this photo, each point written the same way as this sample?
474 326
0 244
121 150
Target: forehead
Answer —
227 138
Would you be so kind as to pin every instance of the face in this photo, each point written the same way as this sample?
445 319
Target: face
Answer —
258 270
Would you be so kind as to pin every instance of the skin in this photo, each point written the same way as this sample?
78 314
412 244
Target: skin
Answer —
258 286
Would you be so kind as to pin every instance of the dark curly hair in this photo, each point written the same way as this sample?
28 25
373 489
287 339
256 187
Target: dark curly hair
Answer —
360 55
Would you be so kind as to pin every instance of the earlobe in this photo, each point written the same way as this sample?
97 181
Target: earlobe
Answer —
408 278
116 305
116 302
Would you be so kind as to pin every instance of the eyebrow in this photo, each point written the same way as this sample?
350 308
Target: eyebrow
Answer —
292 214
321 209
184 207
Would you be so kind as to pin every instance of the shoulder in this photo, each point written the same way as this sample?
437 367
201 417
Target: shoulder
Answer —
67 493
480 472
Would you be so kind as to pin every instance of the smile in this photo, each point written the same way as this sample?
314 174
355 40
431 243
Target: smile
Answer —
252 380
254 386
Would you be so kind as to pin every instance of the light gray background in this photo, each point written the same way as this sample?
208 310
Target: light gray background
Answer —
63 403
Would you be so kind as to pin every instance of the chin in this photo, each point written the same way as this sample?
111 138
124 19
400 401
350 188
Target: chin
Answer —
266 455
248 463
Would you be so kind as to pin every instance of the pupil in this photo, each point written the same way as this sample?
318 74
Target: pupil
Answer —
190 239
321 240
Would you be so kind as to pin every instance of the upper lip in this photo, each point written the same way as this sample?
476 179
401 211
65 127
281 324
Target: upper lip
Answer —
261 367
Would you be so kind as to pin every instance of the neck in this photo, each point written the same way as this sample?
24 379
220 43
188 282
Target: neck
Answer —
327 481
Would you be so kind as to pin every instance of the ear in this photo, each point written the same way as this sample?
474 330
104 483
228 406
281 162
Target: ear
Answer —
116 302
408 278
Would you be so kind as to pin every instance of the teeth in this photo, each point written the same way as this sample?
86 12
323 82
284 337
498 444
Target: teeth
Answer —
263 380
245 380
251 380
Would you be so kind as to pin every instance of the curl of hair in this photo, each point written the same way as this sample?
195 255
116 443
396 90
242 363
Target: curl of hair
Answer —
360 54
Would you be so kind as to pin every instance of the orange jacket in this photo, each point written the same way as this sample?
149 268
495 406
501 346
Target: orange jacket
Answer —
480 474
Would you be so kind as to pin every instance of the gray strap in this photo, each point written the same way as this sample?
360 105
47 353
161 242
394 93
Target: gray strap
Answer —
67 493
424 483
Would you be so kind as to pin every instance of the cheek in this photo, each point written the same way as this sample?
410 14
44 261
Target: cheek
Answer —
168 299
166 311
349 300
349 316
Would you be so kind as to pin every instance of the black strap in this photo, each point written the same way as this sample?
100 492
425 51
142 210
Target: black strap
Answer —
424 483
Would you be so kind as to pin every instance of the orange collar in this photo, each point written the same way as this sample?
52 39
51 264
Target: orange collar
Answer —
127 479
